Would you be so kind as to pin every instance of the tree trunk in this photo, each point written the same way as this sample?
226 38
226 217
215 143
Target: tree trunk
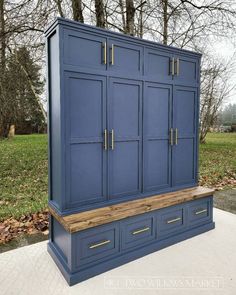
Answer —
130 12
100 16
2 38
77 10
3 125
59 7
165 21
121 4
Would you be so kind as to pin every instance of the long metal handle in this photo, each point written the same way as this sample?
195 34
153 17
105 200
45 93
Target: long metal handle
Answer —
99 244
201 211
104 45
105 139
171 136
177 67
172 66
112 55
174 220
140 230
176 136
112 139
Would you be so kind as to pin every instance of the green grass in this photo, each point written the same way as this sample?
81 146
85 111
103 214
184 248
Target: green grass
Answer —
218 160
23 170
23 175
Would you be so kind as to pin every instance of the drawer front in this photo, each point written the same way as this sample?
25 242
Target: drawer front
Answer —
137 230
171 220
200 211
97 243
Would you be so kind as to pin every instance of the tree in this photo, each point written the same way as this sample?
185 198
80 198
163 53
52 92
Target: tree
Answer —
23 84
215 89
100 14
77 10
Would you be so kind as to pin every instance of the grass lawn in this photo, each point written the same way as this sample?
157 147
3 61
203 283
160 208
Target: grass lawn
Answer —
23 170
23 175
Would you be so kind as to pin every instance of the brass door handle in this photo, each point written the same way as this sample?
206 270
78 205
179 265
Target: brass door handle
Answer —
177 67
176 136
104 45
171 136
105 139
140 230
173 220
112 60
99 244
201 211
112 139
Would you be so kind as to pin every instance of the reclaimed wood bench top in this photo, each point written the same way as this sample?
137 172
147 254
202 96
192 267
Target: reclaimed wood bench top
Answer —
87 219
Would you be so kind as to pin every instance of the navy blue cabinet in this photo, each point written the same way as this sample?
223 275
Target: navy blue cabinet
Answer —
128 115
123 148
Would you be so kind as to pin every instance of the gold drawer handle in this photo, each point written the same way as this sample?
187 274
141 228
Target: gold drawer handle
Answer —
171 137
104 45
105 139
201 211
174 220
99 244
140 230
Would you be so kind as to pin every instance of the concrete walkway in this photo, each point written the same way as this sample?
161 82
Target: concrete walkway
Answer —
205 264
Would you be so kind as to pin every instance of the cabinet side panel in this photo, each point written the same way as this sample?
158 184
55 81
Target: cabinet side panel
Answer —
54 120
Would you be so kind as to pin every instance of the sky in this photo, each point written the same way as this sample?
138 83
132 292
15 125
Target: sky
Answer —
226 49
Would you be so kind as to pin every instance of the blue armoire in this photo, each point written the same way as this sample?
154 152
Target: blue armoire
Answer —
123 148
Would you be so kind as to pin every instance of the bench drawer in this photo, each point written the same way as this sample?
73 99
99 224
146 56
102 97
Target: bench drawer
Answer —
97 243
171 220
200 211
137 230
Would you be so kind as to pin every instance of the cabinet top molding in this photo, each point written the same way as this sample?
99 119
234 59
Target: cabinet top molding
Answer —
81 221
108 33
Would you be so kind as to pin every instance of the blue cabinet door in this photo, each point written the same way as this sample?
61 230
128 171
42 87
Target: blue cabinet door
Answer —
84 51
158 65
125 121
125 58
186 70
185 136
85 120
157 123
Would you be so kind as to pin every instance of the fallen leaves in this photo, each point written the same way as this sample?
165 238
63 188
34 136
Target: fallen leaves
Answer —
27 224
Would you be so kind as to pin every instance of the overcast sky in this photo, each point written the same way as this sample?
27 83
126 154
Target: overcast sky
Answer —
226 49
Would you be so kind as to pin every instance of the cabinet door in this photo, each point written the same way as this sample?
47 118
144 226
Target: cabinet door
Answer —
125 57
84 50
85 118
157 65
184 150
157 122
186 70
125 119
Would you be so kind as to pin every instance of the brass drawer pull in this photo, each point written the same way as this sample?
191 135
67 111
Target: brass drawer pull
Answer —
105 139
104 45
172 66
99 244
140 230
201 211
112 55
112 139
177 66
171 136
173 220
176 136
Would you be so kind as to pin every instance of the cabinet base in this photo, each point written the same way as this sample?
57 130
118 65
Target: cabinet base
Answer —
76 277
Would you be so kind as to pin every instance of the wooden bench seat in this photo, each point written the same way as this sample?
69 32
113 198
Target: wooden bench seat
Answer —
88 219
